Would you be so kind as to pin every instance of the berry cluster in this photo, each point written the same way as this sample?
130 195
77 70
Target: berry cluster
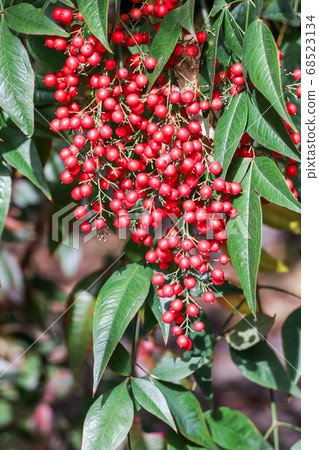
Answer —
140 158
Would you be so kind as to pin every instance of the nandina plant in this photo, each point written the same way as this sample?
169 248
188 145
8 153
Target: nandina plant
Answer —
180 133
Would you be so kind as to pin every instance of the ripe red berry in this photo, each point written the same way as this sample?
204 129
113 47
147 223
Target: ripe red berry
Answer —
199 326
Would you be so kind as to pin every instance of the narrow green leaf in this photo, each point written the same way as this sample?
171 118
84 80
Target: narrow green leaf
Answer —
232 430
291 338
266 127
25 18
270 184
95 14
159 306
229 130
260 365
249 331
260 59
281 11
238 169
109 419
233 35
187 413
173 369
167 36
118 302
120 361
244 238
151 398
5 194
20 153
16 80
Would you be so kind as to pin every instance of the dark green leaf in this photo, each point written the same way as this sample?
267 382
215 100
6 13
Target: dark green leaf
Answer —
173 369
20 153
233 35
25 18
260 59
249 331
232 430
266 127
159 306
291 338
178 442
120 361
16 80
229 130
187 413
260 365
282 11
167 36
291 48
240 12
42 97
47 57
118 302
108 420
95 14
244 238
237 169
151 398
270 184
5 194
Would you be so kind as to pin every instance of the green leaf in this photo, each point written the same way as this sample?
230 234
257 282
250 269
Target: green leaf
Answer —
5 194
266 127
229 130
291 48
151 398
95 14
282 11
203 346
260 365
233 35
120 361
282 218
173 369
244 238
237 169
208 62
187 413
296 446
176 441
232 430
291 338
16 80
249 331
109 419
167 36
270 184
25 18
47 57
159 306
260 59
118 302
20 153
240 12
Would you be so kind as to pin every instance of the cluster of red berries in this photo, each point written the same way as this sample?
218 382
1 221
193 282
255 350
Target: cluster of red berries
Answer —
140 159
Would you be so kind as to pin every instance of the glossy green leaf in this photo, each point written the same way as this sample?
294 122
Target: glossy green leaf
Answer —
20 153
16 80
240 12
260 365
270 184
260 59
167 36
118 302
173 369
208 62
187 413
233 35
291 338
175 441
120 361
25 18
159 306
244 238
151 398
109 419
281 11
232 430
48 58
5 194
238 169
95 13
266 127
229 130
249 331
